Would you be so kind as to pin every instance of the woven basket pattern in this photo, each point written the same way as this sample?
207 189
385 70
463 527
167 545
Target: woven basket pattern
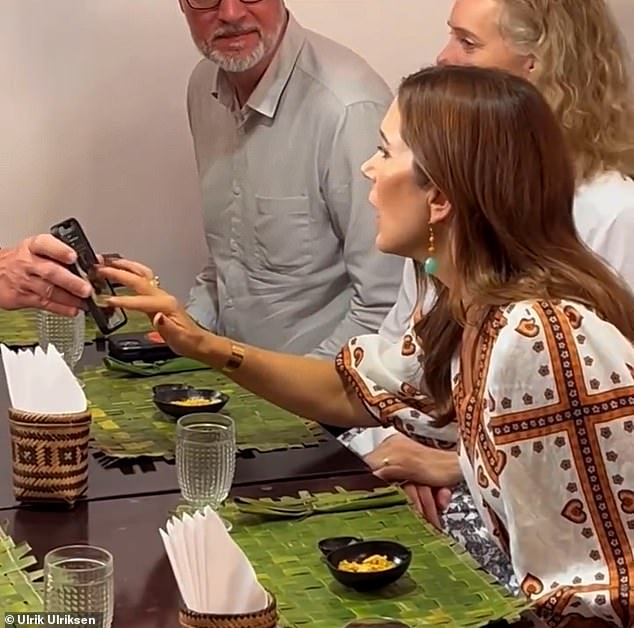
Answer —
49 455
266 618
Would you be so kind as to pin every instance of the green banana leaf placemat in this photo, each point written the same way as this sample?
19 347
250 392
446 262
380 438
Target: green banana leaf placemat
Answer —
443 586
18 327
18 591
127 424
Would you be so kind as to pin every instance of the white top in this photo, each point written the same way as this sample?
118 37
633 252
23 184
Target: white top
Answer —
544 396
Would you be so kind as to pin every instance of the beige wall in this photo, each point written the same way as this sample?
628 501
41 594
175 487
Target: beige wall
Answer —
92 112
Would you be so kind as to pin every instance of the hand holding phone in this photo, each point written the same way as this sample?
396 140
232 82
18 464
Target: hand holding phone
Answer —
108 319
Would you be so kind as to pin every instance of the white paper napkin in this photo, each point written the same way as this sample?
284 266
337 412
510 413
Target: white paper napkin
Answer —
212 572
41 382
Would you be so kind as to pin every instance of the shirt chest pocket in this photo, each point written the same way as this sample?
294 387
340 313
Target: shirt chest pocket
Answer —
282 232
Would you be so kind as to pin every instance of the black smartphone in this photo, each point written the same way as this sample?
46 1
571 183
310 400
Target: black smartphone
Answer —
108 319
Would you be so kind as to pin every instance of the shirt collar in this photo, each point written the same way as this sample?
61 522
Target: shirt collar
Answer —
266 97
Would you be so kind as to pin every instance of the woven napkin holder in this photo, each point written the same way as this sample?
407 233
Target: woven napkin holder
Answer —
50 456
266 618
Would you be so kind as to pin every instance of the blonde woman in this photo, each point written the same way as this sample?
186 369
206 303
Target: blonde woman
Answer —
573 52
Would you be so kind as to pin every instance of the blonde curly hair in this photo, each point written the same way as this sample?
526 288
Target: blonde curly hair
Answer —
581 67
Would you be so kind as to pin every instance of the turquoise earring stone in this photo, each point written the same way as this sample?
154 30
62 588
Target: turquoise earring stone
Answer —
431 266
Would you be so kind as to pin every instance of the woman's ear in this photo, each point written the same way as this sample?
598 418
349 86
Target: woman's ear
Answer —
439 205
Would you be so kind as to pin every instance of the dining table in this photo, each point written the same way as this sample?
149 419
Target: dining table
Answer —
142 476
146 595
130 498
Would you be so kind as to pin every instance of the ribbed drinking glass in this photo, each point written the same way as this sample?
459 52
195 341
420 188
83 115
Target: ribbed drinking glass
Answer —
205 458
80 579
67 334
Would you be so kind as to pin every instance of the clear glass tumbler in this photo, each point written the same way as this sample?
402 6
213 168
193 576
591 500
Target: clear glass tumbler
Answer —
205 458
65 333
80 579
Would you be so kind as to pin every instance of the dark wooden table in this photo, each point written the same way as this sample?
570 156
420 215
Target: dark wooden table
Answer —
146 595
128 502
146 476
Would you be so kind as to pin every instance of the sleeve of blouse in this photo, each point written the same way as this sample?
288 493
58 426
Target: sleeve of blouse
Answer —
387 378
560 410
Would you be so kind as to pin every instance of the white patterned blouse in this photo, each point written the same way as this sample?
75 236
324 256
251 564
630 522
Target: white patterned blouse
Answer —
544 396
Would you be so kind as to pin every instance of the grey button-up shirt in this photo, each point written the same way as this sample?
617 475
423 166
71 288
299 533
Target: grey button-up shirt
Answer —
291 235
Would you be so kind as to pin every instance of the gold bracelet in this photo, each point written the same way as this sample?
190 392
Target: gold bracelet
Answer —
235 361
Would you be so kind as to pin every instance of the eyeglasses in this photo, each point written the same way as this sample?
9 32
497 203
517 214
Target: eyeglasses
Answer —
206 5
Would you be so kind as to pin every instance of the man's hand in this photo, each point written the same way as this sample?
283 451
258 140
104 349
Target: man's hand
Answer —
33 275
427 474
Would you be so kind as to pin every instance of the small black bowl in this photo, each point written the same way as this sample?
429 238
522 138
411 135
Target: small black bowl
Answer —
335 542
161 389
169 400
367 581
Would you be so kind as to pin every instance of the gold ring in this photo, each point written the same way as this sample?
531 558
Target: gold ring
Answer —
386 462
156 282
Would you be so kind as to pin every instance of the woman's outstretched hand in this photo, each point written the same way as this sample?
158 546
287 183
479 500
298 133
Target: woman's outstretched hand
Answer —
168 317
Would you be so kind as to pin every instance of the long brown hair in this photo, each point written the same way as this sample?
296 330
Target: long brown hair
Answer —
490 142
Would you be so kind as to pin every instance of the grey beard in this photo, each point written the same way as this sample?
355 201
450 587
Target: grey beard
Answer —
231 63
236 63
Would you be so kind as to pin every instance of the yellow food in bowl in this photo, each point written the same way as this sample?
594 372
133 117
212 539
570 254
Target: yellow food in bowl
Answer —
194 401
372 563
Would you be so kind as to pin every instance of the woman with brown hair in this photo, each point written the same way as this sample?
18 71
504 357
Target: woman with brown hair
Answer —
526 359
574 53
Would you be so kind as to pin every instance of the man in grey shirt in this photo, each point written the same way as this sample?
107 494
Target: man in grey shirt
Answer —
282 119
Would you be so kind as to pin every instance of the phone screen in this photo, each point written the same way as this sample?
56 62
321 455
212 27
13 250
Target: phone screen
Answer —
72 234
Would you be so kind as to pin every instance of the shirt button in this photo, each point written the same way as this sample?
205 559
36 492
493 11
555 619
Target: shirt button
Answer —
236 189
